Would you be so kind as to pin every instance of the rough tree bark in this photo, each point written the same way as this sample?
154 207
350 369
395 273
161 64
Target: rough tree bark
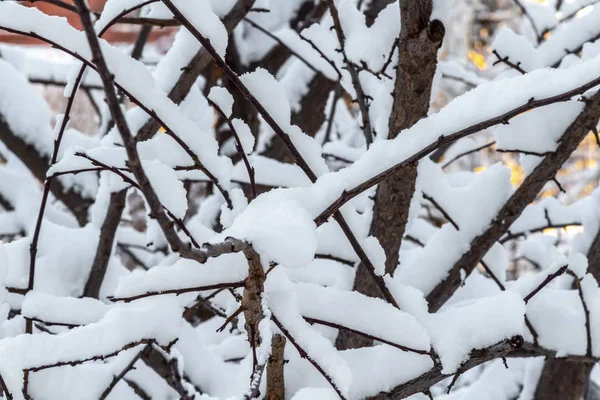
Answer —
565 380
275 376
418 45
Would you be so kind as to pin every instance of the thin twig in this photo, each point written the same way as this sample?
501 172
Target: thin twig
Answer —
539 36
586 312
545 282
283 44
361 98
117 378
178 292
465 153
505 60
238 145
38 225
441 209
305 355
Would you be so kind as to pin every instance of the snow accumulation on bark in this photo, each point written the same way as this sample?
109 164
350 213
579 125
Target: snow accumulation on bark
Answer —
435 236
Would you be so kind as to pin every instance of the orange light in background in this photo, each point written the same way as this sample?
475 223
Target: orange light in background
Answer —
569 230
478 60
517 175
548 193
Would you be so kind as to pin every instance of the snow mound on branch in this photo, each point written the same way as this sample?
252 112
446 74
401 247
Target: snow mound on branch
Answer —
458 330
199 13
155 319
223 99
168 188
284 305
229 268
278 228
369 44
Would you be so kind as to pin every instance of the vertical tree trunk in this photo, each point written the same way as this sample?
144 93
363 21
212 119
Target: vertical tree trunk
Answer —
275 377
419 42
563 380
569 380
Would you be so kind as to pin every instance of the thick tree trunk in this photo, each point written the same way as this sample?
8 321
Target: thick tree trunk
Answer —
418 45
563 380
567 380
275 376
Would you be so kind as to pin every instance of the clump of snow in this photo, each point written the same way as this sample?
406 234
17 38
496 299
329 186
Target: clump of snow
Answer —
222 98
245 135
375 253
278 228
200 14
458 330
168 188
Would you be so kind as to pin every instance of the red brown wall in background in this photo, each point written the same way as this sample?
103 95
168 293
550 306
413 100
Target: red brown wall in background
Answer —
114 34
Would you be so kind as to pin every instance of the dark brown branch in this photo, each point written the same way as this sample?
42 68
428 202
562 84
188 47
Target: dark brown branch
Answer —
337 93
545 283
492 275
322 54
177 380
281 43
576 50
418 46
361 99
505 60
178 221
521 198
178 291
435 375
117 378
334 258
100 357
586 312
275 375
366 335
5 389
459 79
441 209
238 145
252 304
201 311
572 15
105 244
230 318
242 88
531 350
528 323
305 355
52 82
515 235
137 389
442 140
167 370
538 35
465 153
47 183
52 323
